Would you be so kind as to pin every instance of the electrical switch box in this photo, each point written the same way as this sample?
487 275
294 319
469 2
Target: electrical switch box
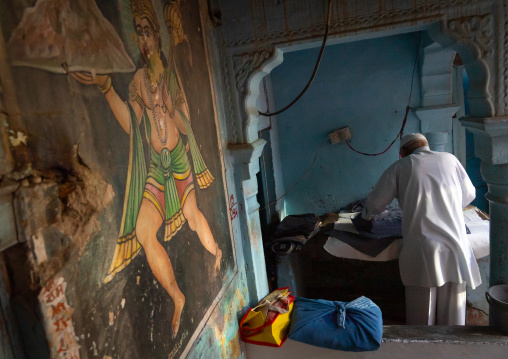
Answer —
339 135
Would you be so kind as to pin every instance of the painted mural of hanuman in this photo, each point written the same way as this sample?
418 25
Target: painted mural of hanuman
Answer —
164 194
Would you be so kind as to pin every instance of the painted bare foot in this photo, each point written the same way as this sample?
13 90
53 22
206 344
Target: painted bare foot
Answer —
175 325
218 257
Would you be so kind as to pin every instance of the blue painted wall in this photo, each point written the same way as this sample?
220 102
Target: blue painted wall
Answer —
473 163
364 85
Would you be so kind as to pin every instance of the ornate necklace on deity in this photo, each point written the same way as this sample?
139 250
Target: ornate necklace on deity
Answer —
160 123
151 84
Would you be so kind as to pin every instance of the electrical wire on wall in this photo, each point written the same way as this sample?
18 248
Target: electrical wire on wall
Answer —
401 132
266 194
269 114
329 16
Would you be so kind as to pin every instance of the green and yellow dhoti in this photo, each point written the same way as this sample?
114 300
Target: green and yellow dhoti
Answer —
166 185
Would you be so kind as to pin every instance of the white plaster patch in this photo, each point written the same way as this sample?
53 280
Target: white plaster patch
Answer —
58 320
122 303
17 138
39 249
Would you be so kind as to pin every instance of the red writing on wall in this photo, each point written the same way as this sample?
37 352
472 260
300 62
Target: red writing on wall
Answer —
233 210
58 315
65 350
57 309
52 292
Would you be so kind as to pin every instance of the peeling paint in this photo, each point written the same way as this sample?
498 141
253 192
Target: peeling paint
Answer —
220 338
233 348
476 317
241 297
86 195
178 345
255 234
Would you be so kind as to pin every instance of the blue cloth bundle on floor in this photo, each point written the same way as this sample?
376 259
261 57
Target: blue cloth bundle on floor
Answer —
349 326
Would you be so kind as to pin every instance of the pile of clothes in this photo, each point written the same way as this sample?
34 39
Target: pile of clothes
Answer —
372 236
293 232
384 225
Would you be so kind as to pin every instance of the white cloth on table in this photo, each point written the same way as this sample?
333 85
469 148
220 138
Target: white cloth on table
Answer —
478 239
340 249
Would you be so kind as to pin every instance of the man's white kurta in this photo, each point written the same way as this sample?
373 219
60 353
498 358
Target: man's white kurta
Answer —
432 189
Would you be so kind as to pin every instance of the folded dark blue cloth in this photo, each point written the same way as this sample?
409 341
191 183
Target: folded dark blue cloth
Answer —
386 224
349 326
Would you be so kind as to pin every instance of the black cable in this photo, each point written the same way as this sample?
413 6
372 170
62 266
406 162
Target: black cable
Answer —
267 195
401 132
414 68
395 139
315 67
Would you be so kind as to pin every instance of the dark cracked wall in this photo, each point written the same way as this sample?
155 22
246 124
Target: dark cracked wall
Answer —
106 92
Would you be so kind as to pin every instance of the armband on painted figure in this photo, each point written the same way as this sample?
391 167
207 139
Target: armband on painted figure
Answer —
106 86
133 94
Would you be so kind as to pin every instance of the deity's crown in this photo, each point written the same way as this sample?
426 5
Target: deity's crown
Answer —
144 9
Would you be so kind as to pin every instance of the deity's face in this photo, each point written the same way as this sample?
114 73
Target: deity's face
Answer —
148 38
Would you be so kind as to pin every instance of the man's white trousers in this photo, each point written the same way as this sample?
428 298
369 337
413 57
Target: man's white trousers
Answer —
445 305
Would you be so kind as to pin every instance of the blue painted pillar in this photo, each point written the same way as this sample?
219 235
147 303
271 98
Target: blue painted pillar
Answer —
245 160
491 146
437 124
496 177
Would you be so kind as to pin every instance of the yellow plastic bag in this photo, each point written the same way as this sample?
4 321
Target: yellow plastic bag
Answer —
268 323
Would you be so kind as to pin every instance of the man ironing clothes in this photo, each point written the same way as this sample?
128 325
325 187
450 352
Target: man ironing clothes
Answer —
436 261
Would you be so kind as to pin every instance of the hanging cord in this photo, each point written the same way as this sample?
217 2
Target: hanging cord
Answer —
401 132
315 67
301 177
266 192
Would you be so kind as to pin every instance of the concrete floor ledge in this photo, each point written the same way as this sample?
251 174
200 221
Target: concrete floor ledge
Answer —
404 342
443 334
